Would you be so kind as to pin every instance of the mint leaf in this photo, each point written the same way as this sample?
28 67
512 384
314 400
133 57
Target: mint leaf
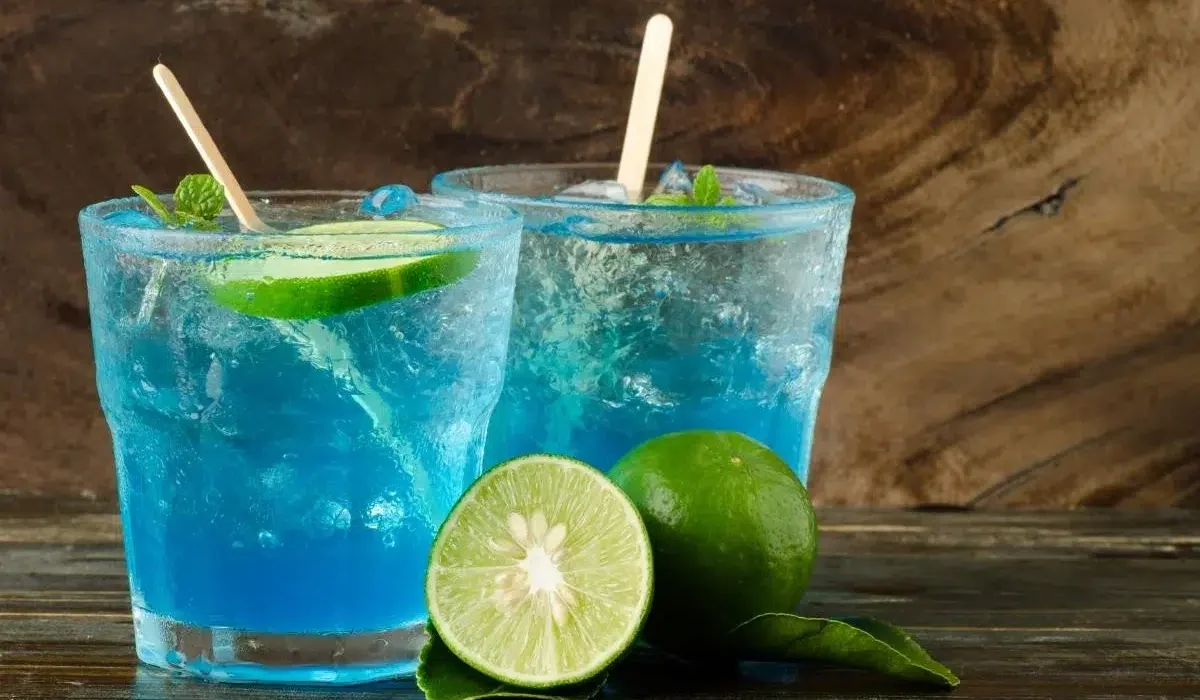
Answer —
195 222
706 187
858 642
663 199
201 196
728 201
155 204
442 676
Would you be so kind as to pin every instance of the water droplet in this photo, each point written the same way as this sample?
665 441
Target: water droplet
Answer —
267 539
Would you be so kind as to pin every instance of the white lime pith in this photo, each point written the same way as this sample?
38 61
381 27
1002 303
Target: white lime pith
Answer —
541 576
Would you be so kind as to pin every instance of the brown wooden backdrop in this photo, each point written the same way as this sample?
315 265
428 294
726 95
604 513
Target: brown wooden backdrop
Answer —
1021 319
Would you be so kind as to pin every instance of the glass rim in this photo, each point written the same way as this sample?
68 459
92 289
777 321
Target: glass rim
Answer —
476 232
838 195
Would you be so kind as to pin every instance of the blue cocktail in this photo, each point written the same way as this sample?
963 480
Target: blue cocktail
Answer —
293 415
635 320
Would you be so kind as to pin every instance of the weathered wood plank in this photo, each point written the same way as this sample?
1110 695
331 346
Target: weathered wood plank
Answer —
1024 605
1021 318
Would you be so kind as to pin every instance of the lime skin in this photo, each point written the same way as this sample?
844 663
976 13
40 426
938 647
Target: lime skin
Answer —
732 532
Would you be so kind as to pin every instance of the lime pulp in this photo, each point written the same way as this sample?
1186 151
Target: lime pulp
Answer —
542 575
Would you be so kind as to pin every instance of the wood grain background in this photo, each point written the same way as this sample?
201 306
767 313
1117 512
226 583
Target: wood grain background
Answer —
1021 317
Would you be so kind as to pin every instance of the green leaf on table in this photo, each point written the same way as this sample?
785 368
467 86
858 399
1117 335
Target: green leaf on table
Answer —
443 676
200 196
706 187
155 204
858 642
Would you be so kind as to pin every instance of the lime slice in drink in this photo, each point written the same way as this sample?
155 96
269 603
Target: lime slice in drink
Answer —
284 287
541 576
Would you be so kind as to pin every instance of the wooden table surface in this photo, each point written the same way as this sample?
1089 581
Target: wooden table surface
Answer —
1072 604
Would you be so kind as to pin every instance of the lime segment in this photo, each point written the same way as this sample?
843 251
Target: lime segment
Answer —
541 576
305 288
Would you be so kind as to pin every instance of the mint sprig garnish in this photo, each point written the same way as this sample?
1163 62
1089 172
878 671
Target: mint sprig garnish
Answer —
670 200
199 199
706 187
199 196
706 192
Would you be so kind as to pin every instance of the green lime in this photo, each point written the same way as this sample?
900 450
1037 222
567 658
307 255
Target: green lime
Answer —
541 576
303 288
732 528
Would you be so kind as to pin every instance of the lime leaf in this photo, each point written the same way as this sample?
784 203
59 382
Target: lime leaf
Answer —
706 187
155 204
199 195
857 642
663 199
442 676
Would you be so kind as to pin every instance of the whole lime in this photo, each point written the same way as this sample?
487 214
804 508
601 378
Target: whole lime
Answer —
731 528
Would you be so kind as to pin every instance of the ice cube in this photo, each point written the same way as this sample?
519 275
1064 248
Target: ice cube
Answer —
327 517
674 180
746 192
386 512
132 218
388 200
594 191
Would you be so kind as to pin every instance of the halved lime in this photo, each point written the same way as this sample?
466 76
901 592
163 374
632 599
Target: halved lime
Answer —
541 576
304 288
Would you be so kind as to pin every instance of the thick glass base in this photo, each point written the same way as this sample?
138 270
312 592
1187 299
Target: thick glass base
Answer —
241 656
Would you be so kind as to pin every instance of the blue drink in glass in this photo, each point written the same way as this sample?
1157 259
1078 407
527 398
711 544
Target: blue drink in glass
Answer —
281 478
635 320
